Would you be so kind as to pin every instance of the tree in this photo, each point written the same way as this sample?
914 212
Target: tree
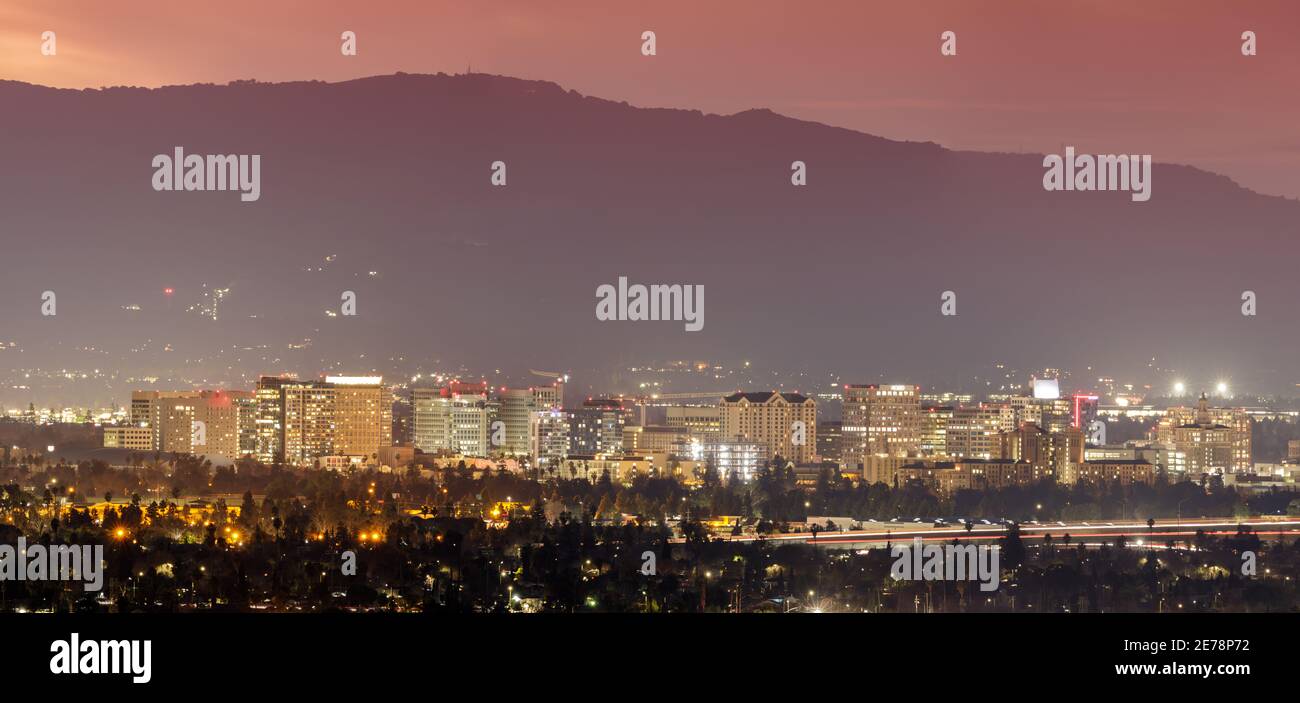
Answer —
1013 549
248 509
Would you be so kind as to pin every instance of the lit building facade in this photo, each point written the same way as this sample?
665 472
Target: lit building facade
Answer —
934 430
204 423
882 419
516 410
597 427
947 477
550 437
769 418
1106 471
1212 440
975 432
703 422
363 416
454 419
1051 453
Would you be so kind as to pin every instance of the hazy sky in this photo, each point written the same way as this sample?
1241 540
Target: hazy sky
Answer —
1148 77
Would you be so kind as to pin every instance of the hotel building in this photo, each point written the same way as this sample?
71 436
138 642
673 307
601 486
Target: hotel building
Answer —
769 418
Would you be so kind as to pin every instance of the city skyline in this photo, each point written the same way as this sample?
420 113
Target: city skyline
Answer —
335 323
360 420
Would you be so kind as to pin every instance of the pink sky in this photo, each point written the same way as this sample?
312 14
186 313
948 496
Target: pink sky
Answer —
1155 76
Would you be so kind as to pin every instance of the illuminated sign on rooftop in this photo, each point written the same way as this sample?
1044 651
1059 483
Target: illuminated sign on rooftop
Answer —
355 380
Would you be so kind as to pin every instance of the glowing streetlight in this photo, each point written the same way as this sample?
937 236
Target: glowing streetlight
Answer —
1179 388
1222 388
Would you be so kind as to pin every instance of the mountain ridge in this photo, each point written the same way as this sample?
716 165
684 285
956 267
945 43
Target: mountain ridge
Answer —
391 176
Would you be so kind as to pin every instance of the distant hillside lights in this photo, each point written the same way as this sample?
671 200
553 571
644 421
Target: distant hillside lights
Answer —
655 302
1102 172
227 172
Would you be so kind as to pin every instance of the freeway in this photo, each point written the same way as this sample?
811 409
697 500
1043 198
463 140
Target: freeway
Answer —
1137 532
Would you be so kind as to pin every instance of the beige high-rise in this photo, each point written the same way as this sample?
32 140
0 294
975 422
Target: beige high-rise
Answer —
770 418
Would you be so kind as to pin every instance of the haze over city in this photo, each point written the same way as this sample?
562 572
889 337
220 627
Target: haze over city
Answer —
379 184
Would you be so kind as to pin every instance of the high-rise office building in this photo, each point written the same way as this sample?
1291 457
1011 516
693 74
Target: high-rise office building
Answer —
517 406
307 422
830 441
454 419
205 423
283 420
597 427
882 419
704 422
246 404
269 419
363 416
934 430
975 432
1051 453
550 437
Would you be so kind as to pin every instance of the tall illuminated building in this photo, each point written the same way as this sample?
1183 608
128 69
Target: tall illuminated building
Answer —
550 437
453 419
307 422
246 405
1211 440
363 416
268 419
934 430
597 427
1052 413
1050 453
769 418
975 432
882 419
517 406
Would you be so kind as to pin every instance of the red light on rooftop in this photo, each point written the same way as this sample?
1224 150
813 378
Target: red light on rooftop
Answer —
168 291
